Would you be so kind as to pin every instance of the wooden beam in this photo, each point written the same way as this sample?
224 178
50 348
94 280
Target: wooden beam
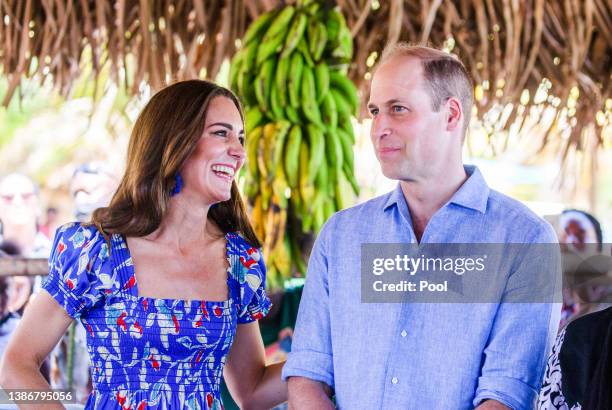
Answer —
18 266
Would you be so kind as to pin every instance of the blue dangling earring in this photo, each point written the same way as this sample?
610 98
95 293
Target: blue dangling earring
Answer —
178 184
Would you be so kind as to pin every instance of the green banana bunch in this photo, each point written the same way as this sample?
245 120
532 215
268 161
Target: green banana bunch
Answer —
298 109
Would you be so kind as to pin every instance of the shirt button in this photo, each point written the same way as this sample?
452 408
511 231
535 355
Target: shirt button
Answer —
394 380
404 333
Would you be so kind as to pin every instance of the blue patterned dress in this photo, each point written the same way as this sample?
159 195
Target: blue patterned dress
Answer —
149 353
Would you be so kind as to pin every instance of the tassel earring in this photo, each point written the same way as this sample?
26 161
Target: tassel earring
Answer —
178 185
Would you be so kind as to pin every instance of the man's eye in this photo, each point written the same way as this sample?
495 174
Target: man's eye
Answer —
398 108
373 112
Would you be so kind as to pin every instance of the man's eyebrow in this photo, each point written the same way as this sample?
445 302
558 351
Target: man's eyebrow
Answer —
392 101
388 102
226 125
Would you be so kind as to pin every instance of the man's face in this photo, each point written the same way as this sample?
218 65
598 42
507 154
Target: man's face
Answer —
18 201
91 191
410 139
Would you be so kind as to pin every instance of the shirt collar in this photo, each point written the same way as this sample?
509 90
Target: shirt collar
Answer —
473 194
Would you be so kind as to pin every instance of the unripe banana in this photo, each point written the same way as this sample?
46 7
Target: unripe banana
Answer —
330 115
303 49
257 27
309 99
316 50
295 79
292 115
350 176
342 106
268 48
280 79
292 156
263 83
253 118
334 153
252 144
347 147
282 133
316 140
280 24
295 33
345 46
322 81
346 87
306 186
276 107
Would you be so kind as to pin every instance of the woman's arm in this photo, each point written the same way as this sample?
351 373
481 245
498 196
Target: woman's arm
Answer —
42 326
253 385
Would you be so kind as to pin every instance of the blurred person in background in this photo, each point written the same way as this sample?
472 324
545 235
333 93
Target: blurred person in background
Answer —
92 186
14 294
579 370
580 237
19 212
11 297
51 222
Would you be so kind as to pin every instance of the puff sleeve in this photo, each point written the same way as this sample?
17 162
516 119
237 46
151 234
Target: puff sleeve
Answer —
74 279
249 268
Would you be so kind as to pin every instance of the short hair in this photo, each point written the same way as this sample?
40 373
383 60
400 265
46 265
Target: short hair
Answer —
444 73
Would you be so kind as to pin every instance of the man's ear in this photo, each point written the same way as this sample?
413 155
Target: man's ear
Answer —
454 115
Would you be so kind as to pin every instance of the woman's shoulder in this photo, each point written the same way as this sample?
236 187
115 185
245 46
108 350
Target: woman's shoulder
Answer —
245 259
84 228
239 243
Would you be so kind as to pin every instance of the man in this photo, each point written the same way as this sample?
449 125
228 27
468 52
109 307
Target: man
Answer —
419 355
19 213
92 186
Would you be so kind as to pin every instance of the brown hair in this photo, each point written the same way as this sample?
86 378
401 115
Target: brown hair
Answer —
163 138
444 73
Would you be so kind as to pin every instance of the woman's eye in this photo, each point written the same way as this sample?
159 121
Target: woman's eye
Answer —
241 139
221 133
373 112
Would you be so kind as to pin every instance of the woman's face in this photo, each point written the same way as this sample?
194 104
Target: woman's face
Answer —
209 171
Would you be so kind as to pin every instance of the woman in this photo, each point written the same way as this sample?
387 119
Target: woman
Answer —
168 277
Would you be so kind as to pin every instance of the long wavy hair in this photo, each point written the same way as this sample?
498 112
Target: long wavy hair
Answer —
163 138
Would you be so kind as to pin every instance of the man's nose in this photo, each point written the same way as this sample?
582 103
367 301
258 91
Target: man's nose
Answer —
380 127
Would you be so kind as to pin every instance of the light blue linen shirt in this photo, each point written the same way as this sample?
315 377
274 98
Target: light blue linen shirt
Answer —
421 355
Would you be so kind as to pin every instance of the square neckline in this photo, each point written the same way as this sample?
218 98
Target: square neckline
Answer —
133 291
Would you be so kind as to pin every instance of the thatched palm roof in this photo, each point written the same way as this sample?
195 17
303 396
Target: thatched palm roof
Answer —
508 45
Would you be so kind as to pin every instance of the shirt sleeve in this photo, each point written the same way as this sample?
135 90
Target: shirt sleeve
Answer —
524 328
74 267
311 349
256 303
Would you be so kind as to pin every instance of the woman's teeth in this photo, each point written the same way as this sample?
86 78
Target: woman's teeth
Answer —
224 171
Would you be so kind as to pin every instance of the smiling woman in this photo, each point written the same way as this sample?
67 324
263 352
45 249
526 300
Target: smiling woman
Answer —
168 280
